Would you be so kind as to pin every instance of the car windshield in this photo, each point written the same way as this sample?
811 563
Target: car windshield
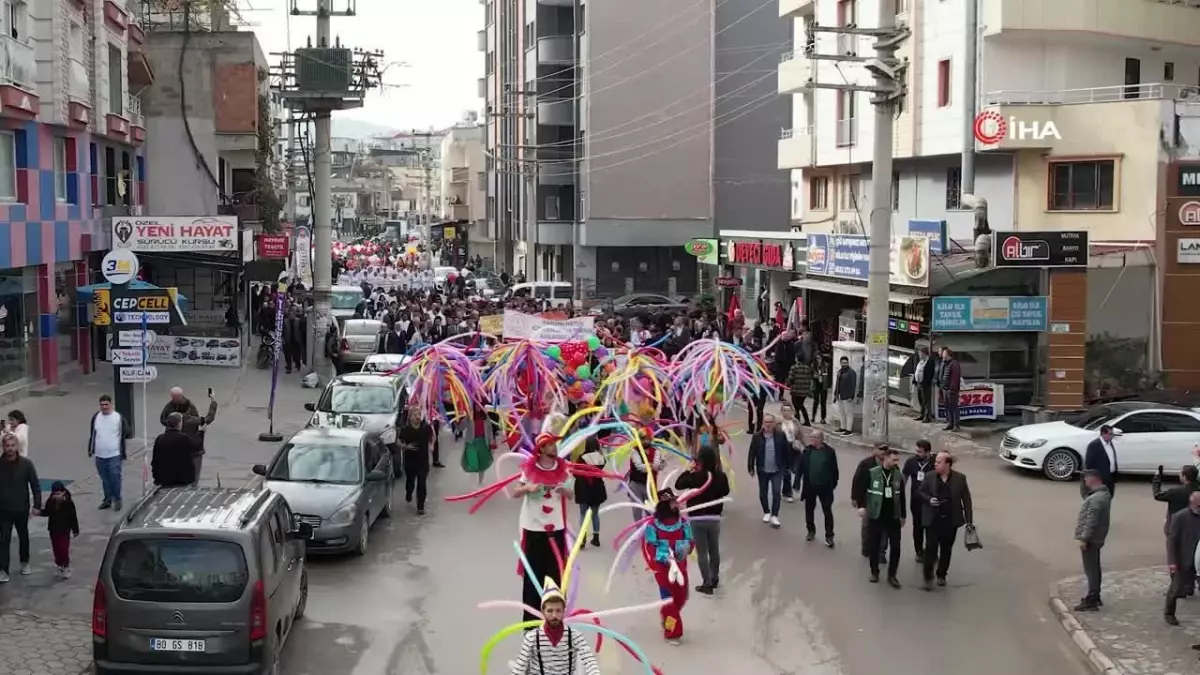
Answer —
179 570
358 399
347 299
319 463
1096 417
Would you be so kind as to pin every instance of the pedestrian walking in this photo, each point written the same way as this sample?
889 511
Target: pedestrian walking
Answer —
845 389
193 424
885 515
18 426
666 544
63 525
544 488
922 381
106 445
795 445
858 489
915 469
945 507
951 385
767 460
818 476
820 388
800 386
1179 496
171 460
1101 456
705 472
1091 530
20 497
554 648
590 493
638 475
415 439
1183 536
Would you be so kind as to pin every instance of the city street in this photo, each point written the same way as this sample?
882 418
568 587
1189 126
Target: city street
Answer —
787 606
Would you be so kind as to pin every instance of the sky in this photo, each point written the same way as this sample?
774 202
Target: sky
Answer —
429 45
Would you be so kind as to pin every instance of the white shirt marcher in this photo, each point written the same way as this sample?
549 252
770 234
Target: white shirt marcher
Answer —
22 433
108 435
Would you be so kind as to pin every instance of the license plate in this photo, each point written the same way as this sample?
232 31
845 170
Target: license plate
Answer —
172 645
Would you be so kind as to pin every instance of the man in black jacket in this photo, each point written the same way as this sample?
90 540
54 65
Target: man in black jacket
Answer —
1183 535
768 460
858 487
171 462
1101 457
1176 497
945 507
193 424
915 469
818 469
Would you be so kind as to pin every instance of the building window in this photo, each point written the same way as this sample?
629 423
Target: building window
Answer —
847 15
116 82
1082 186
943 83
552 208
895 190
60 169
954 188
16 14
1168 72
847 124
848 193
8 167
489 13
818 193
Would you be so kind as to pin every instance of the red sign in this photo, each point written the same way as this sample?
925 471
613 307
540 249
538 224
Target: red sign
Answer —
272 245
757 253
729 282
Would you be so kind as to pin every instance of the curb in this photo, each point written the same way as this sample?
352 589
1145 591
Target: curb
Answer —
1099 661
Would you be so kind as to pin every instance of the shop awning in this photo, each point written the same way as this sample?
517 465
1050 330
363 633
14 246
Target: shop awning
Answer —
848 289
84 293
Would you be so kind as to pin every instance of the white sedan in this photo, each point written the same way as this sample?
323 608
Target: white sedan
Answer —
1148 435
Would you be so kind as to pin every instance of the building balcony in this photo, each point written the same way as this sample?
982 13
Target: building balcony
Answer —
1064 121
481 40
18 64
1160 21
795 8
556 49
556 173
795 73
556 112
797 149
460 175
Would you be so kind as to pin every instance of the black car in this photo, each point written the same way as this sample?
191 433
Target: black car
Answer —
640 303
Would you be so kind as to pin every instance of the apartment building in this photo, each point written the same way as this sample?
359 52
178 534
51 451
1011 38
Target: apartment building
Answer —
71 137
463 187
629 129
1089 105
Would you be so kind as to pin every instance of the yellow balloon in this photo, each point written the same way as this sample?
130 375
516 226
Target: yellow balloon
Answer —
490 645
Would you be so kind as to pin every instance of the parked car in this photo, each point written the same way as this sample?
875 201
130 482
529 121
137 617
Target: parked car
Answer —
366 401
360 339
200 580
1147 435
638 303
338 481
344 300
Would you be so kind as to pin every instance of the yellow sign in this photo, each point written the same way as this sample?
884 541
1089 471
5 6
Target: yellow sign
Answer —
102 307
492 324
879 339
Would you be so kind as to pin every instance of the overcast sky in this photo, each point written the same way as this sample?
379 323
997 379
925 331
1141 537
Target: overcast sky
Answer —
430 46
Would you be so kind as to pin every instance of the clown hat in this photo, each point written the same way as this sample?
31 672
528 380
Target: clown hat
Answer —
551 592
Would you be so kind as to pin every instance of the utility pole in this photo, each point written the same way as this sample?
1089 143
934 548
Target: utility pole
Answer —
577 156
318 80
970 78
888 89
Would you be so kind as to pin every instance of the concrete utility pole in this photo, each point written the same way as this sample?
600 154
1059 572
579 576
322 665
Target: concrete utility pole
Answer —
970 94
577 152
888 89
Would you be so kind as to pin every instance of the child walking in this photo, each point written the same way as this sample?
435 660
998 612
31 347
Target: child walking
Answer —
63 524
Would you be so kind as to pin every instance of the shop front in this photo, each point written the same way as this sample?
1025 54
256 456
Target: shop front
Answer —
765 263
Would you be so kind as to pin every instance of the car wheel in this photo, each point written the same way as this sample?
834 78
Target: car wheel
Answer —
386 511
1060 464
364 535
303 604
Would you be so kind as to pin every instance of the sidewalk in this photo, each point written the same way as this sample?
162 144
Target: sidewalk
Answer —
1127 636
45 621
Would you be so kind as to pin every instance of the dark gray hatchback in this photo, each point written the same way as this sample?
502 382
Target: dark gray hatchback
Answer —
200 580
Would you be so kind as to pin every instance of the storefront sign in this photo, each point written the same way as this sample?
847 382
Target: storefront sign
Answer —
934 230
848 257
904 326
125 356
1188 251
705 251
119 266
729 282
136 338
1040 249
303 255
207 233
157 306
1188 183
184 350
1186 212
757 254
272 246
518 326
990 314
976 401
138 374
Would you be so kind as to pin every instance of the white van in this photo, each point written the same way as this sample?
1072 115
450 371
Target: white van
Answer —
557 292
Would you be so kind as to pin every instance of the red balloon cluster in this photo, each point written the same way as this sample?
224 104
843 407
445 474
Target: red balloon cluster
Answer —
574 354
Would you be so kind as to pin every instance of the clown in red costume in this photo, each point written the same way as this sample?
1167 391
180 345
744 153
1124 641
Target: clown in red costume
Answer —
666 546
545 487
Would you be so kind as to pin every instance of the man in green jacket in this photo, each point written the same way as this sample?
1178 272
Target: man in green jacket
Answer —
885 514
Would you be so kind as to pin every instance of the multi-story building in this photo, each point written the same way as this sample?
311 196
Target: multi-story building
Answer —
1096 100
70 156
463 182
628 129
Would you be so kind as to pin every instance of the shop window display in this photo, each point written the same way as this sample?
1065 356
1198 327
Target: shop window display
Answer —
64 311
18 332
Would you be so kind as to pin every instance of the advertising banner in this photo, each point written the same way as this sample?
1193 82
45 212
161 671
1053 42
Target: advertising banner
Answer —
990 313
976 401
518 326
303 259
272 246
186 350
848 257
207 233
705 251
492 324
1040 249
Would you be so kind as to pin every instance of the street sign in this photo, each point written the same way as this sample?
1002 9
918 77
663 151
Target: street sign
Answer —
1041 249
138 374
127 357
120 266
136 338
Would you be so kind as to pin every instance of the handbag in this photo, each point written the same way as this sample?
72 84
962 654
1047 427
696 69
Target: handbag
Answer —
971 539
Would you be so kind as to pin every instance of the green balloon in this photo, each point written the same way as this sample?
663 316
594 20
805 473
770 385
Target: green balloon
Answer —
554 352
583 372
593 342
